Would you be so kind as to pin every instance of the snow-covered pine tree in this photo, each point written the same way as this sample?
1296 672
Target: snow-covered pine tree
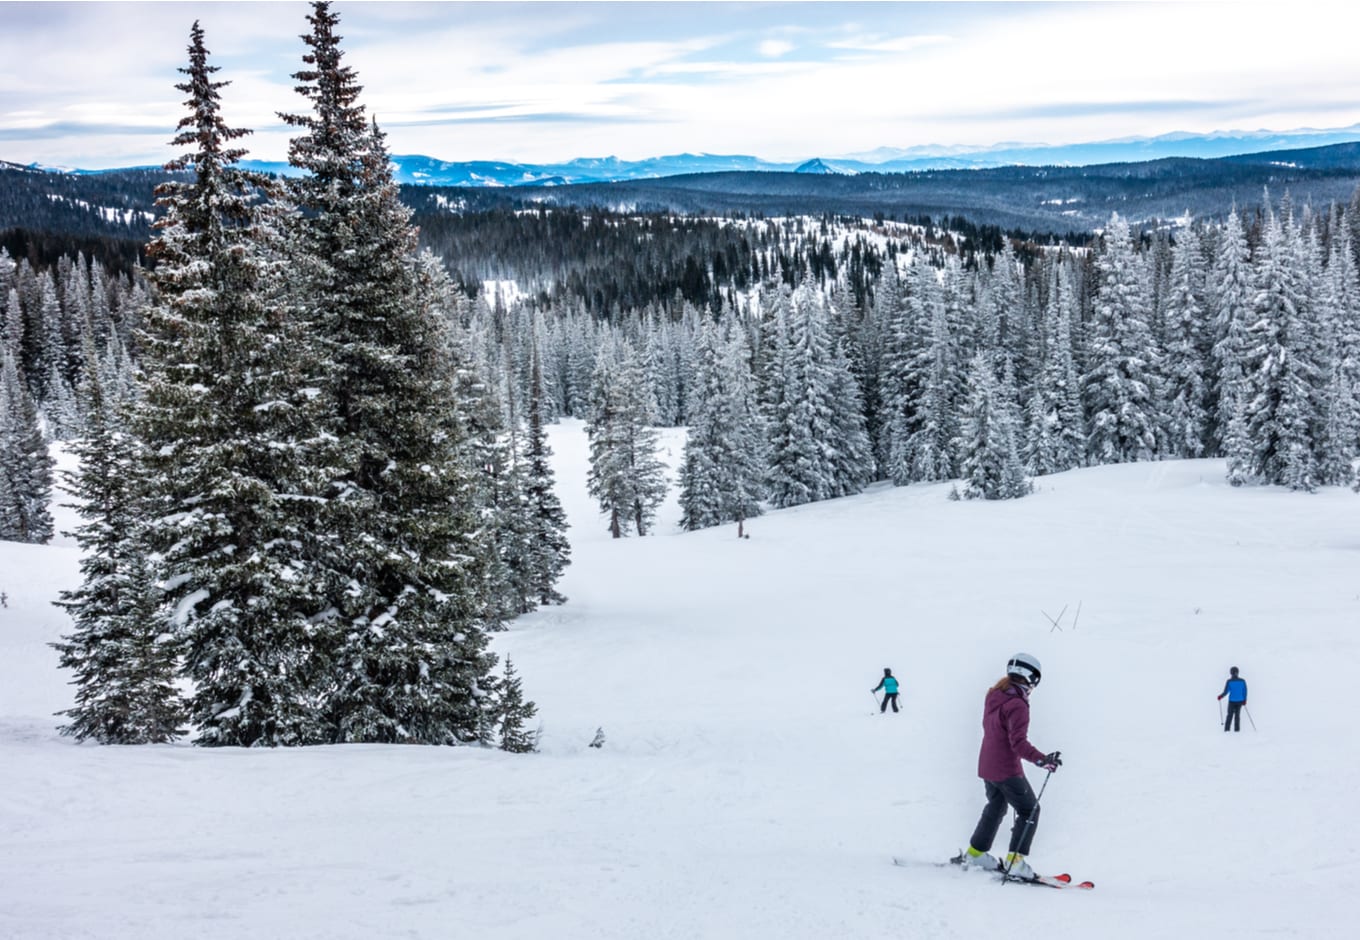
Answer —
47 349
548 550
626 476
661 364
546 338
1282 373
1229 295
7 270
1118 388
1186 417
122 650
101 313
722 477
865 348
852 458
1055 438
512 712
233 462
12 323
581 338
492 467
117 372
1343 290
410 604
992 468
904 384
25 466
929 453
60 409
818 448
1015 339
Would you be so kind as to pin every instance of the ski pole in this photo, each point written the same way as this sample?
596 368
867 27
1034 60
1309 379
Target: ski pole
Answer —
1249 718
875 697
1220 711
1029 823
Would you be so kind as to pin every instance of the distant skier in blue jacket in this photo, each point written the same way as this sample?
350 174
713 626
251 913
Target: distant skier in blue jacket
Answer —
1236 691
889 686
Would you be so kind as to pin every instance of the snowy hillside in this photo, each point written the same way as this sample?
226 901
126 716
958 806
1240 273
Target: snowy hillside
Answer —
748 786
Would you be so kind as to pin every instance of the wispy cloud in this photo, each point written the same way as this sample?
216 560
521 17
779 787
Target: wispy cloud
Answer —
774 48
781 80
890 45
1074 109
528 117
62 129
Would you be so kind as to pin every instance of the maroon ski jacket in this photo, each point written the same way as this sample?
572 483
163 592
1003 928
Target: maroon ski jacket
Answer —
1005 734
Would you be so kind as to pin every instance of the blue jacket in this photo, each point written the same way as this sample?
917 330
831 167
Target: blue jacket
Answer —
887 684
1235 689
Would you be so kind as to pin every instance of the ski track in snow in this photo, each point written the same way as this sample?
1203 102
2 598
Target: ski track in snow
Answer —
748 786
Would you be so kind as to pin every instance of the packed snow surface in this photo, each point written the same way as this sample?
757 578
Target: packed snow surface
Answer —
748 786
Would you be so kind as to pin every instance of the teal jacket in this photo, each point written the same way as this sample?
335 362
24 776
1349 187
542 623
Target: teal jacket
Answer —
887 684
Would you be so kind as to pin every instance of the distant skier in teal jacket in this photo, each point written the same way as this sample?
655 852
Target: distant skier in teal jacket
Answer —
1236 691
889 686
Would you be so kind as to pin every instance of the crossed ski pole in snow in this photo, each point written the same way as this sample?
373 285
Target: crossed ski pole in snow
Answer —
1057 621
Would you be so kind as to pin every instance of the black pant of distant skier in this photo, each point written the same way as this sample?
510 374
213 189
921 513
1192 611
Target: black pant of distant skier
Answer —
888 697
1234 719
1015 792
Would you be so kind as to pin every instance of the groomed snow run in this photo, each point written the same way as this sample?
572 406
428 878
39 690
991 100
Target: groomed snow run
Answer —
748 786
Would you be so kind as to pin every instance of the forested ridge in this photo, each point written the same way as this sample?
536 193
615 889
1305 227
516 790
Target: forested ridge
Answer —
314 473
108 215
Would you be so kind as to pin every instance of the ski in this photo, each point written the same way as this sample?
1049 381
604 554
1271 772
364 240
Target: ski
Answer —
1053 881
1063 880
1067 882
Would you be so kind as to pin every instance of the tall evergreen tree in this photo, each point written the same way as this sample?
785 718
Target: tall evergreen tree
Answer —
1343 288
905 384
233 462
410 608
548 550
992 468
1118 388
722 477
1230 296
1282 371
818 446
1186 417
122 651
25 467
928 453
852 457
1055 435
868 344
626 477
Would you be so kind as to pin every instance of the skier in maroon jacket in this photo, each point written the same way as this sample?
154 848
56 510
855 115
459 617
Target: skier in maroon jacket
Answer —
1005 741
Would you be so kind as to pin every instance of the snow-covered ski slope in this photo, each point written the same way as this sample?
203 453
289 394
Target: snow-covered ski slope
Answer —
747 786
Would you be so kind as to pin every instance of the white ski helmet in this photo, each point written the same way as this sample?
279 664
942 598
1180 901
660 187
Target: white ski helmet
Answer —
1025 667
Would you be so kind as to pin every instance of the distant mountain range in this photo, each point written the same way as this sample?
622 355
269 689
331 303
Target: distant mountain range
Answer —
419 170
116 207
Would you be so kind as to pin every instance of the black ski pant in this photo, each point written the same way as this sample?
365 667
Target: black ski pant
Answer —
1017 793
887 697
1234 718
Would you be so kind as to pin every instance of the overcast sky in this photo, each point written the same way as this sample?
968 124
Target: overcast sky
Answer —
91 84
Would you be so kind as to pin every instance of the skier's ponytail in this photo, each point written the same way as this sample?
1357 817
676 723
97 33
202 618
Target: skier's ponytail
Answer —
1002 684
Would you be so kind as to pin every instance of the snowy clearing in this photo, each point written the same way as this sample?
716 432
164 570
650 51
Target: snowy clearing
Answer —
748 786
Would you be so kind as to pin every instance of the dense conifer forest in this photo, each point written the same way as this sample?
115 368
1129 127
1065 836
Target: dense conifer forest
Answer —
310 411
